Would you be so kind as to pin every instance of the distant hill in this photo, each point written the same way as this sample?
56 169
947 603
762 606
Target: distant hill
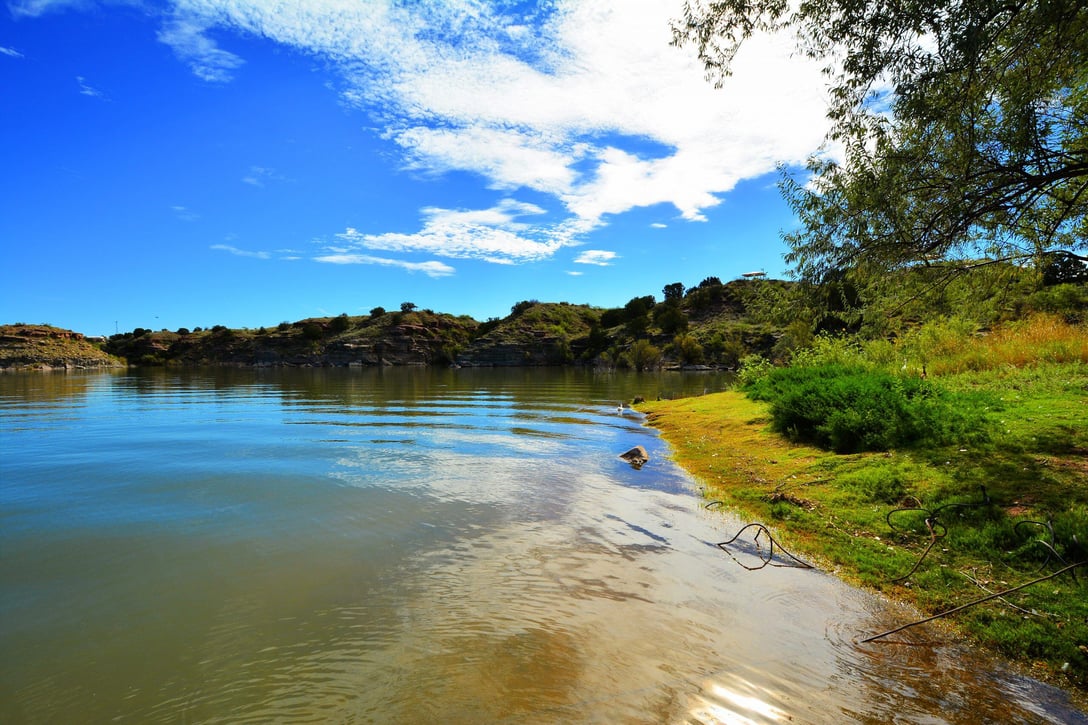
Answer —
45 347
709 325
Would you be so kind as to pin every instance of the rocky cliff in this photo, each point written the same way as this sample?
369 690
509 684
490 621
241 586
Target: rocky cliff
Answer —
43 347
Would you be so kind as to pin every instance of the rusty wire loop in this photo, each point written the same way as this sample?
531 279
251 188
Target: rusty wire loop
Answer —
937 529
766 558
1048 545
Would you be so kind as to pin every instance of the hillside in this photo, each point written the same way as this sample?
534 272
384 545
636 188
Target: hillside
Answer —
708 325
44 347
712 324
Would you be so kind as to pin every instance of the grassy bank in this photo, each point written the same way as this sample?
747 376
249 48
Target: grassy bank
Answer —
1006 503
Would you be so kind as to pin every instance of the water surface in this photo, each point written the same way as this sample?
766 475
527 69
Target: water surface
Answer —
414 545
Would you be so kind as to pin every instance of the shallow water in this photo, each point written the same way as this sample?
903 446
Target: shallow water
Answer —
412 545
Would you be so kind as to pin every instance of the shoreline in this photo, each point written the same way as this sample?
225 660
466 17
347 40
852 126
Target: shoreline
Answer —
723 441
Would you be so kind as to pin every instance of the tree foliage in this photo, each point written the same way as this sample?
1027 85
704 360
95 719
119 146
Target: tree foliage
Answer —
959 129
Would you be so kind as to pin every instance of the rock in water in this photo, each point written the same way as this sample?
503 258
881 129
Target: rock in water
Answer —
637 456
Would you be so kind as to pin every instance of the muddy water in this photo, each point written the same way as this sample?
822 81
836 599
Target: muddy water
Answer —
409 546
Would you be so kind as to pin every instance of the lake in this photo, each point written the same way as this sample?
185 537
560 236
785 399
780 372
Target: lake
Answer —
411 545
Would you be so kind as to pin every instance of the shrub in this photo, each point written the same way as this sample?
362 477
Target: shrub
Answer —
522 306
643 355
850 409
340 324
377 312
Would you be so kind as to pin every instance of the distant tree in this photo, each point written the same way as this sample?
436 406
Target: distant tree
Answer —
596 342
687 349
643 355
183 331
612 317
283 326
1061 269
522 306
710 282
637 326
674 292
377 312
313 331
638 307
670 318
340 323
407 306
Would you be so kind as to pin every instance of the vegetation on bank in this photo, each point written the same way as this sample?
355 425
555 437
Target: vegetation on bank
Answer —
46 347
714 324
849 451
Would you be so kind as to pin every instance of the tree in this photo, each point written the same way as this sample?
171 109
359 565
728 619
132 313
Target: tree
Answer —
377 311
643 355
341 323
674 292
407 306
519 307
670 318
687 349
963 129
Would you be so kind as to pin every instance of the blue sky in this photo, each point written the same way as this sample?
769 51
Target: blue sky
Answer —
244 162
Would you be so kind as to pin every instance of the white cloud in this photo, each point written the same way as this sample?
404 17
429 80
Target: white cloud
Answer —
10 52
659 225
599 257
497 235
185 214
241 252
187 37
584 101
431 269
34 8
258 176
87 90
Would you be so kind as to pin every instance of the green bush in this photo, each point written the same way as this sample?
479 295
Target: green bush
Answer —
850 409
340 324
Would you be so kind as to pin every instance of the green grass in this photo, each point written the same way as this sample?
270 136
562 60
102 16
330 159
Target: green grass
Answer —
834 508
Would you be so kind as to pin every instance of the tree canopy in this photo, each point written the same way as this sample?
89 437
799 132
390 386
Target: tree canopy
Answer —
958 129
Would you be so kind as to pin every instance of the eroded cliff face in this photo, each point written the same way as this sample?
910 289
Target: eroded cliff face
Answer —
43 347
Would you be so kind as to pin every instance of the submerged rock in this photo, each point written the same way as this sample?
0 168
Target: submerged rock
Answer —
637 456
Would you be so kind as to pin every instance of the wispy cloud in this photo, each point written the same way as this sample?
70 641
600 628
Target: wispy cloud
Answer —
10 52
259 176
599 257
659 225
85 89
431 269
498 235
184 213
582 101
34 8
186 35
241 252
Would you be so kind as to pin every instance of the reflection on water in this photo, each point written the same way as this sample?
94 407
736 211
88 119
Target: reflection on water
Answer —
404 546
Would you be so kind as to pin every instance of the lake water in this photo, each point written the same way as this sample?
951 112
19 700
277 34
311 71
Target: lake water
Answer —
417 546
